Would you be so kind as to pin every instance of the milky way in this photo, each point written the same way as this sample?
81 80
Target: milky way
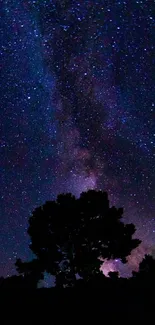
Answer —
77 112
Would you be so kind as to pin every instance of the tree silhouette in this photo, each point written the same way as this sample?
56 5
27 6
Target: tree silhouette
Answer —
113 275
30 274
69 236
146 273
32 271
18 282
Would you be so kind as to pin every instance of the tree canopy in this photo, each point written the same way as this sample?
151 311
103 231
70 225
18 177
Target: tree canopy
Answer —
70 236
146 273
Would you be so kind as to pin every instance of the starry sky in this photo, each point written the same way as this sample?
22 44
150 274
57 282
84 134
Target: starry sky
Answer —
77 112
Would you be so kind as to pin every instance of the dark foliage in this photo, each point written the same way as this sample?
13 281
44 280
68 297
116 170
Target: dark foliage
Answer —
69 235
18 282
146 274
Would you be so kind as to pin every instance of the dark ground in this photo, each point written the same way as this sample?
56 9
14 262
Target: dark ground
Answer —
70 306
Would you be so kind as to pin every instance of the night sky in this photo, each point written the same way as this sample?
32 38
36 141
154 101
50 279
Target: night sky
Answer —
77 112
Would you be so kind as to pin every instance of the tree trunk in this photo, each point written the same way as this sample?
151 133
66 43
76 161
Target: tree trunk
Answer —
71 259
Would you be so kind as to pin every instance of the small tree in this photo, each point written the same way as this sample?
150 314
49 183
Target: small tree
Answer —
32 271
146 273
69 236
113 275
